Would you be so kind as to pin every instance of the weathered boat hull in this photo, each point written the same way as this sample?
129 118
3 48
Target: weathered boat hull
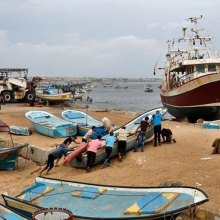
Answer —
131 141
9 155
199 98
91 201
7 214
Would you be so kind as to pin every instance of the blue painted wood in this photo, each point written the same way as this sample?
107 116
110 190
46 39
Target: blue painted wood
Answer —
89 192
147 199
154 205
11 216
8 214
35 192
183 200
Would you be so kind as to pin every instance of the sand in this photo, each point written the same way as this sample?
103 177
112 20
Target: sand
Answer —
189 161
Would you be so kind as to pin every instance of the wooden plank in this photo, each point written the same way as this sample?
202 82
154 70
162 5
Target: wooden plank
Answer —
159 204
35 193
89 192
137 207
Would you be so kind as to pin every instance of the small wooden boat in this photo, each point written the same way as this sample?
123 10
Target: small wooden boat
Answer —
91 201
49 125
8 214
9 150
53 95
84 122
211 124
131 141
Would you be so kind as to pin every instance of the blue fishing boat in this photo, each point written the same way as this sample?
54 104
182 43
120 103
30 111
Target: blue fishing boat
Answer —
9 150
84 122
49 125
91 201
131 141
9 155
8 214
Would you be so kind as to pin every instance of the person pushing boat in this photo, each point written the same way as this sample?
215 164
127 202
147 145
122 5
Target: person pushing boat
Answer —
58 153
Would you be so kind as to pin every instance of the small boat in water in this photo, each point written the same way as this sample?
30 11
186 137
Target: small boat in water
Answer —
148 88
191 81
84 122
8 214
95 201
131 141
49 125
9 151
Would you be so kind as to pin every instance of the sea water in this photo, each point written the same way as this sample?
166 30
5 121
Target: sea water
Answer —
132 99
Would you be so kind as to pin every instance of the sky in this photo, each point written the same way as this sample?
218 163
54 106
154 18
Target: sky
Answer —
95 38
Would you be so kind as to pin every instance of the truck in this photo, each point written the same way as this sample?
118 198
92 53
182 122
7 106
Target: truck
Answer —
14 85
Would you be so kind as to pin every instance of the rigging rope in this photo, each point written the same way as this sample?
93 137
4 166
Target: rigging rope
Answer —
159 58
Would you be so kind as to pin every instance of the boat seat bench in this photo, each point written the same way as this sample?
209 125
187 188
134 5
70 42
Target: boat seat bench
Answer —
89 192
151 203
34 192
74 115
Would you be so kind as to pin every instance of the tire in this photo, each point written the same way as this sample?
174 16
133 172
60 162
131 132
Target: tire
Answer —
7 96
29 96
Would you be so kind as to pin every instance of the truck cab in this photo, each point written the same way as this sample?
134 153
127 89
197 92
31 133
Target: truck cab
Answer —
14 85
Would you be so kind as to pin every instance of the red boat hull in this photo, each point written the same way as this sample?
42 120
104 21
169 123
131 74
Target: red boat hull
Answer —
199 98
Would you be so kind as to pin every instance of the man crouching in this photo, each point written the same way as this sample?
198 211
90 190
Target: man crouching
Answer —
167 135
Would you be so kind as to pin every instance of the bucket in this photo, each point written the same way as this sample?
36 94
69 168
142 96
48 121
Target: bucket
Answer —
53 214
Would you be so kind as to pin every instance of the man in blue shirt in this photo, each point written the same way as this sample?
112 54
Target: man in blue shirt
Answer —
110 140
157 120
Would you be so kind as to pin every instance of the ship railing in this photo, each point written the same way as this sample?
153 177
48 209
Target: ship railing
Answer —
178 81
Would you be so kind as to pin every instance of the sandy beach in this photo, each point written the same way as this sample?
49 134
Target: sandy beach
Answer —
188 162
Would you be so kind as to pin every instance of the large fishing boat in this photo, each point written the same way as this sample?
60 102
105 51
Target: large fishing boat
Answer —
191 81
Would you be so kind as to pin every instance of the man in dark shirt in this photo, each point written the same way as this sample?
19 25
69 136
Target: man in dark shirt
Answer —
167 135
58 153
141 134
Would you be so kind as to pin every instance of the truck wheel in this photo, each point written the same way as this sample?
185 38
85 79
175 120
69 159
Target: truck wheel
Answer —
7 96
29 96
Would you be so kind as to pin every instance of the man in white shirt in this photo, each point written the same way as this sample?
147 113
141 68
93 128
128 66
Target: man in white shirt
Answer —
88 136
122 136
